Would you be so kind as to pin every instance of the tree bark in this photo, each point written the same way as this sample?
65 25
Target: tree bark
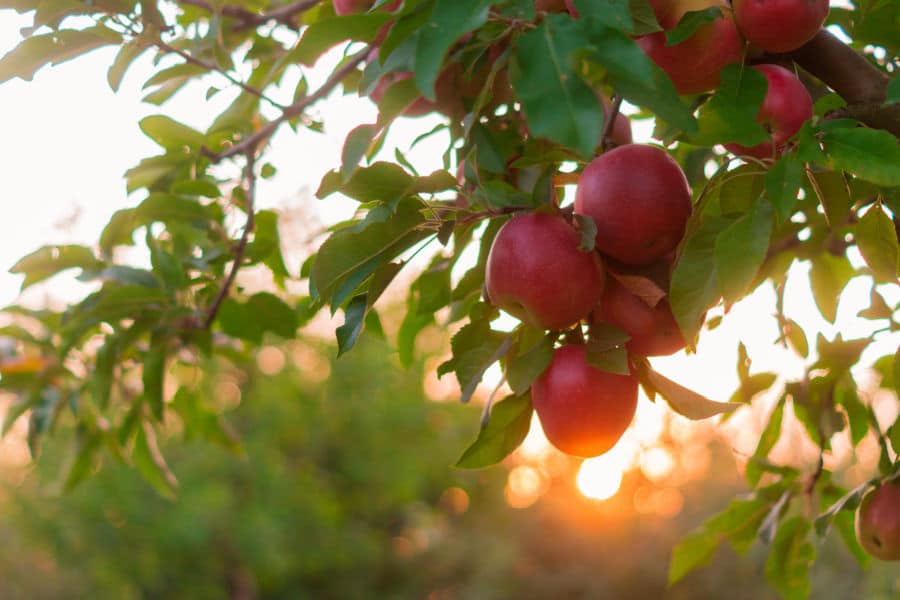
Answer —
852 77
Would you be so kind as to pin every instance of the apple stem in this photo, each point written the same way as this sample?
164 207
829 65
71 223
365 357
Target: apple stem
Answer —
611 115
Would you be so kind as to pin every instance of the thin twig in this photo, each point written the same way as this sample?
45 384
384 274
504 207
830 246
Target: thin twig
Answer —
211 67
814 478
294 110
250 177
611 115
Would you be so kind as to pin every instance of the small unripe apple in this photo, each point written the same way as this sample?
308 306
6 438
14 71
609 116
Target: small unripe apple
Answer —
536 272
640 200
878 521
653 329
785 108
779 25
694 64
583 411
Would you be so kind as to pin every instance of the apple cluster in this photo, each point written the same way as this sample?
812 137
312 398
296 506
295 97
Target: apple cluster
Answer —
639 201
637 197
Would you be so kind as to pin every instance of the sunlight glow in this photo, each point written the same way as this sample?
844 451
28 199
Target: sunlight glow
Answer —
524 486
599 478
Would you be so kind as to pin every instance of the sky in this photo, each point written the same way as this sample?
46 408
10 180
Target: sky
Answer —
68 140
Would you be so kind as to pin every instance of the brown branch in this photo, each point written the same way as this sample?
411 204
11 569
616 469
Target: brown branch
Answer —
854 78
241 247
294 110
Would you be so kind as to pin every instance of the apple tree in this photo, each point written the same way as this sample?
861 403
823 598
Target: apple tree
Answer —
775 140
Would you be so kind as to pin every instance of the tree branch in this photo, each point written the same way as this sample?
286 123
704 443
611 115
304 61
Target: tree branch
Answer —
240 249
853 77
294 110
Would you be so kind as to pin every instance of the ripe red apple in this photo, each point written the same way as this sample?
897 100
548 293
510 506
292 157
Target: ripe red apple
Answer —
694 64
351 7
653 330
536 272
779 25
785 108
583 410
878 521
640 200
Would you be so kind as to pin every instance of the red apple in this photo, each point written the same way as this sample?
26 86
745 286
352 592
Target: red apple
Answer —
640 200
583 410
878 521
653 330
779 25
694 64
785 108
351 7
536 272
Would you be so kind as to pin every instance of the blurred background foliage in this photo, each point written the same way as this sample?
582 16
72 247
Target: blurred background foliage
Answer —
342 487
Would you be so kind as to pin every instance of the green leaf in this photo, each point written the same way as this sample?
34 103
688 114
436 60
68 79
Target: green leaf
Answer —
153 375
877 242
893 91
125 57
611 360
357 254
356 146
637 78
730 115
475 347
870 154
767 440
684 401
449 20
149 462
790 559
689 23
168 207
558 104
86 458
783 182
695 550
828 276
848 501
695 286
121 274
53 48
50 260
741 249
170 134
523 369
381 182
643 17
507 427
325 33
610 13
834 196
796 337
263 312
752 385
354 315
